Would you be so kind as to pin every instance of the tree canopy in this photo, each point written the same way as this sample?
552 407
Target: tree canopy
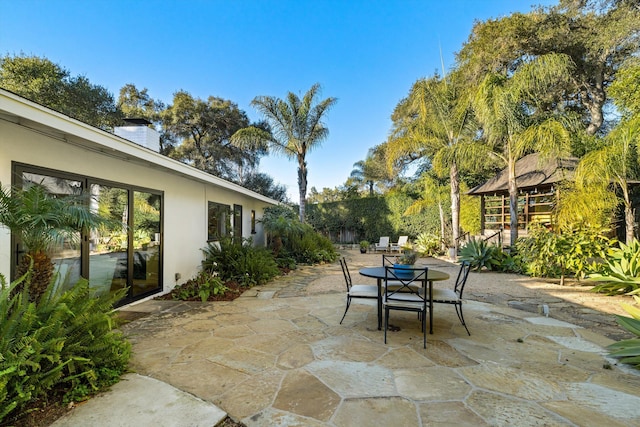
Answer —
296 126
42 81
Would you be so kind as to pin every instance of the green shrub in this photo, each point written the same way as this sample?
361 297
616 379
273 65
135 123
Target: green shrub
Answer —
286 263
64 341
289 238
629 350
427 244
545 253
621 274
204 285
242 262
509 263
481 255
312 248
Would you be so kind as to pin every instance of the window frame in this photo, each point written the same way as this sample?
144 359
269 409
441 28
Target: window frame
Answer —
19 168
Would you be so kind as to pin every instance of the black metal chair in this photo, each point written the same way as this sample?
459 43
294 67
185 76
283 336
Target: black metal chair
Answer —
389 260
356 291
454 296
406 294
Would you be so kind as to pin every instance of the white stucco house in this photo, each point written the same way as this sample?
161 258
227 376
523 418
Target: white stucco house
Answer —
172 209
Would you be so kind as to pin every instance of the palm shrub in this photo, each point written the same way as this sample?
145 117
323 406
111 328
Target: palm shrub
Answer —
281 226
628 350
621 274
481 255
241 262
65 341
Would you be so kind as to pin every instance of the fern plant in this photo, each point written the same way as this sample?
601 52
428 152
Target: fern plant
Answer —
66 341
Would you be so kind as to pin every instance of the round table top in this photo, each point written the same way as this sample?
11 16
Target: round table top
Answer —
379 273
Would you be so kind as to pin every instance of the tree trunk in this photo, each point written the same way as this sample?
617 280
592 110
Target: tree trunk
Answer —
302 185
629 218
593 98
442 226
41 274
513 202
455 204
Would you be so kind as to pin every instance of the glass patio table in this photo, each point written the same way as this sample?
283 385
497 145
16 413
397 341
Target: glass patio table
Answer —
379 274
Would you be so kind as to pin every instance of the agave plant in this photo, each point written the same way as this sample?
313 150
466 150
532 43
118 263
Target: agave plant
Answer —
481 255
622 273
629 350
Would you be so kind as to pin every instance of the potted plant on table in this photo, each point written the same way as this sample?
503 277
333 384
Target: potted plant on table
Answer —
364 245
405 261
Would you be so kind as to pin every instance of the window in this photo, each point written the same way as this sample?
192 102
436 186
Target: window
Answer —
127 257
237 222
218 221
253 222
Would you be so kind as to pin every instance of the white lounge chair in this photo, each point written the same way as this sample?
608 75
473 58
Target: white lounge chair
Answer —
402 240
383 244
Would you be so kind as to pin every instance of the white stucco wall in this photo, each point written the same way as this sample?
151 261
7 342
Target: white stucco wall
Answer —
185 198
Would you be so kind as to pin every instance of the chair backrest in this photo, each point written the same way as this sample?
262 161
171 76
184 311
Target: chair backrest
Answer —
384 241
345 272
461 280
402 240
389 260
408 281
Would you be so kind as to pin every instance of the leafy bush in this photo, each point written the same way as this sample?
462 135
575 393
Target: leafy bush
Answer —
242 262
427 244
312 248
286 263
289 238
481 255
509 263
65 342
204 285
621 274
629 350
545 253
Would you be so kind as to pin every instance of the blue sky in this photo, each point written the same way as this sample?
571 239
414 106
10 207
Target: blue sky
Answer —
365 53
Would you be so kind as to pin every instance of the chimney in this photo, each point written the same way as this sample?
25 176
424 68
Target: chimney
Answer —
139 132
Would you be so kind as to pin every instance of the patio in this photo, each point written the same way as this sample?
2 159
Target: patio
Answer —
277 356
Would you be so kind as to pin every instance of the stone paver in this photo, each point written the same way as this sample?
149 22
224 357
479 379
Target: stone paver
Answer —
277 356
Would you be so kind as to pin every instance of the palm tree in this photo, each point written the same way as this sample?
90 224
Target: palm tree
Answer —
372 170
615 163
436 122
434 193
514 123
42 221
296 128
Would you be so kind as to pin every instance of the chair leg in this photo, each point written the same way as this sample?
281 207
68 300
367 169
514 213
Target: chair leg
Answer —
346 309
386 323
461 317
424 330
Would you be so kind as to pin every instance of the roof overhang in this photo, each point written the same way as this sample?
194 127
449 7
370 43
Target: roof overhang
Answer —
38 118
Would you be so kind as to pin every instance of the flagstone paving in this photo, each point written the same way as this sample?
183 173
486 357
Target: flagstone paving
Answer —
277 356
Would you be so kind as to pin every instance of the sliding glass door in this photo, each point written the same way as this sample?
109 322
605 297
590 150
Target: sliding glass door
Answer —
128 256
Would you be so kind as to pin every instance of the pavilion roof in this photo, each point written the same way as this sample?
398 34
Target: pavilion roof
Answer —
533 170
